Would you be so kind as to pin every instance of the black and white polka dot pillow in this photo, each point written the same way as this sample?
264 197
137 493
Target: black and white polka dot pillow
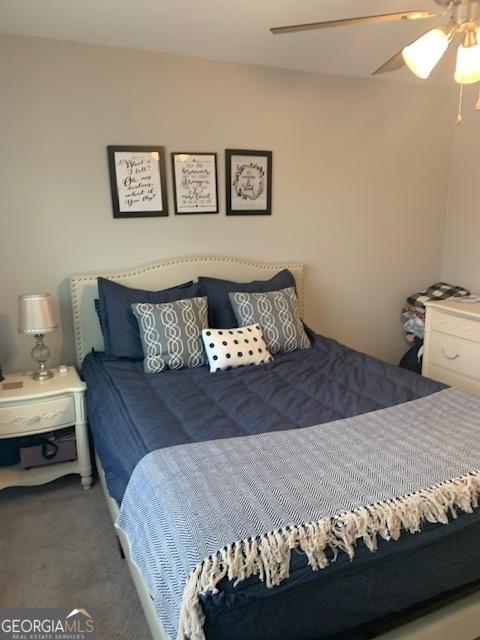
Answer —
229 348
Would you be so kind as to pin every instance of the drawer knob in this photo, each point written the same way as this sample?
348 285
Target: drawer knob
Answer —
450 356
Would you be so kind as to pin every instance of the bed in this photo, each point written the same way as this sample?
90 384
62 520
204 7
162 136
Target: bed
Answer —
296 390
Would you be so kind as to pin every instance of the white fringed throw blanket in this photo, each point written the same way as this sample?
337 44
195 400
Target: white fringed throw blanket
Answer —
196 513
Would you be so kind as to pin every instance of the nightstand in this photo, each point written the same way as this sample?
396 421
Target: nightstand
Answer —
28 407
452 344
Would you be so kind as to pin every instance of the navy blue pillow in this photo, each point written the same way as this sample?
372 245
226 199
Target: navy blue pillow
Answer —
119 325
96 304
220 312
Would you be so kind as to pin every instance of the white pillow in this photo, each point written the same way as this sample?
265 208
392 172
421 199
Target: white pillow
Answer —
229 348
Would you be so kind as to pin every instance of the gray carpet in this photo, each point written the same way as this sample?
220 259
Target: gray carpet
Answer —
58 549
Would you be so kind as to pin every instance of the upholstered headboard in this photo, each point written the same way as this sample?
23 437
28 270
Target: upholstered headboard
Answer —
161 275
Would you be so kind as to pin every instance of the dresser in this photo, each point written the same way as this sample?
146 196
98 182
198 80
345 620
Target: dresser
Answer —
452 344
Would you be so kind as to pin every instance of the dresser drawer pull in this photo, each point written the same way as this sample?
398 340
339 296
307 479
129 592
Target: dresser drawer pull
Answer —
449 356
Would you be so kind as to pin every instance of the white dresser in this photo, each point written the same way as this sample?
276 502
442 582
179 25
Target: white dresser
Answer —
452 344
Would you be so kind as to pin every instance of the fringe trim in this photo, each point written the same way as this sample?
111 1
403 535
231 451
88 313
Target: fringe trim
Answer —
268 556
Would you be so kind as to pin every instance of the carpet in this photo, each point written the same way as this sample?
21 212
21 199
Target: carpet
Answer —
58 549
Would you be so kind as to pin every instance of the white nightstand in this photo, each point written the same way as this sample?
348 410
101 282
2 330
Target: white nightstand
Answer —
452 344
37 407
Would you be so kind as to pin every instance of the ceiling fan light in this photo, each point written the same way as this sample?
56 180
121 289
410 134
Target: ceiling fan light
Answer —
422 55
468 65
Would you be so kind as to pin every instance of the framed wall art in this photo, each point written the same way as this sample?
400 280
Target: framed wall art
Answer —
137 181
195 182
248 177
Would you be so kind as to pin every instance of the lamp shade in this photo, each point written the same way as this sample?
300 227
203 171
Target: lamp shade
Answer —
37 314
423 54
468 64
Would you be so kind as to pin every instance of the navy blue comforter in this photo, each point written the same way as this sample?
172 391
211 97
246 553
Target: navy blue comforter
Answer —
132 413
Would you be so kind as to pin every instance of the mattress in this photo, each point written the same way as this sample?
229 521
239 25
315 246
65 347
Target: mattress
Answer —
132 413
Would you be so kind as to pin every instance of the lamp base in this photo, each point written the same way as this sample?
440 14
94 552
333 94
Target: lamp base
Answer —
41 354
43 374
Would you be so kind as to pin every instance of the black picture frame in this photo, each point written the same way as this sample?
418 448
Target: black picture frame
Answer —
177 205
118 211
234 208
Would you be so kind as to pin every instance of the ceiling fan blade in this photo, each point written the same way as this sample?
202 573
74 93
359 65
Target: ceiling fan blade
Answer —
378 19
393 64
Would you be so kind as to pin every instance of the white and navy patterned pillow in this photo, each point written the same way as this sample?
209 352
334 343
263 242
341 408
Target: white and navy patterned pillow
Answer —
277 314
230 348
171 333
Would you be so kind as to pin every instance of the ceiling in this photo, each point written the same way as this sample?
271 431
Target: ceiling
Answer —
233 30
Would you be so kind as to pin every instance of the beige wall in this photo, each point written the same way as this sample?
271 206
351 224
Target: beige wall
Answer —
360 174
461 261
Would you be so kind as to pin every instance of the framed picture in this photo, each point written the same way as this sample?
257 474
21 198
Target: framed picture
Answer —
137 181
195 182
248 176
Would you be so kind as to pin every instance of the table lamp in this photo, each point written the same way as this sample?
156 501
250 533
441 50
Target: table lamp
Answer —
37 315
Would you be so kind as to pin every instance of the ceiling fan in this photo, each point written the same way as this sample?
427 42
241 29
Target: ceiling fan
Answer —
423 54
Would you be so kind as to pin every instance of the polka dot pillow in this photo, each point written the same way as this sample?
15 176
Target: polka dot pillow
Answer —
230 348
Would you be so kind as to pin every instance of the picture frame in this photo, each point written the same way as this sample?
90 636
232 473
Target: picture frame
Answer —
138 181
248 182
195 182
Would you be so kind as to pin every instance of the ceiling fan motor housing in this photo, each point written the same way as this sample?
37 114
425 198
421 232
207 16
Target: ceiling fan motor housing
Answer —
464 12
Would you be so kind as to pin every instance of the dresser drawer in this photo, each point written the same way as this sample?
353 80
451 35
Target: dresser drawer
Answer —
455 354
456 326
37 416
454 379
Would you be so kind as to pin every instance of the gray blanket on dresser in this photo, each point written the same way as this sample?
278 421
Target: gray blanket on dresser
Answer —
236 507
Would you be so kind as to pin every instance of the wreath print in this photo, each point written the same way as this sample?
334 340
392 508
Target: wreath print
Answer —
249 181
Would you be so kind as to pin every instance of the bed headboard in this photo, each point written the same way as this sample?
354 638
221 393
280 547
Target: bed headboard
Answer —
161 275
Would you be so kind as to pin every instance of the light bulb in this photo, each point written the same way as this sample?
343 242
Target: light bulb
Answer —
422 55
468 64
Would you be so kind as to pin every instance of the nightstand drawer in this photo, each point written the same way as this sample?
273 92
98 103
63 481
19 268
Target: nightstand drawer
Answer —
37 415
456 326
455 354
